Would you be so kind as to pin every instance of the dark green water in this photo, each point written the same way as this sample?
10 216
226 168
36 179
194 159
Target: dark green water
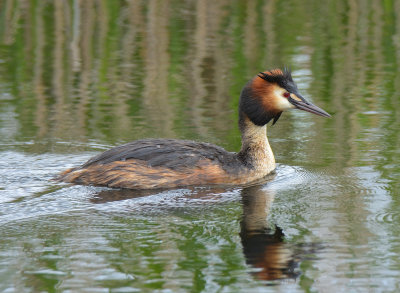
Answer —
77 77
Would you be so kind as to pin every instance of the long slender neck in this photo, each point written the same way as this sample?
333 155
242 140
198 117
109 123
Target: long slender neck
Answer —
256 151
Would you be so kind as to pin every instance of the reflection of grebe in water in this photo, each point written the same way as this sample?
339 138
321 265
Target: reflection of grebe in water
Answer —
168 163
264 248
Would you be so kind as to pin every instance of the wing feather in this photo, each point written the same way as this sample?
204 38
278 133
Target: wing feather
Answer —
170 153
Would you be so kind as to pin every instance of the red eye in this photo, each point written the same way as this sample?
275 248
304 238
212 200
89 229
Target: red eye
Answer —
286 95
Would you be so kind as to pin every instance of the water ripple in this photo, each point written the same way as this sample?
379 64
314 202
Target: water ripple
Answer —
385 217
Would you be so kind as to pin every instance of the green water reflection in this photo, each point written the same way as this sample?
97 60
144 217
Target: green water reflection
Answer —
79 76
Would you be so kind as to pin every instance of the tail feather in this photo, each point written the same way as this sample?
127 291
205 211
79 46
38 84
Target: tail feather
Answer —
65 175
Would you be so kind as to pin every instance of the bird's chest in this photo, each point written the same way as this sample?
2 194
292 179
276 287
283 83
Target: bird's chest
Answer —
259 160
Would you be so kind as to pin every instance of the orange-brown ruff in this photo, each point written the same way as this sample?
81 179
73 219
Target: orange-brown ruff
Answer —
169 163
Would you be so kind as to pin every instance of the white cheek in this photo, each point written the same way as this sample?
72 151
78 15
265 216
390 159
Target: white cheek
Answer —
281 102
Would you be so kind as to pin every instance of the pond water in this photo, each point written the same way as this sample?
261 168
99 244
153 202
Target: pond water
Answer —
78 77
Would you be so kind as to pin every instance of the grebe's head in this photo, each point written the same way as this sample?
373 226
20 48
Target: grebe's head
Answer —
270 93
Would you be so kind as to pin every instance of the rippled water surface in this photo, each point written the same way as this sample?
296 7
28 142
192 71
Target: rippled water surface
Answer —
77 77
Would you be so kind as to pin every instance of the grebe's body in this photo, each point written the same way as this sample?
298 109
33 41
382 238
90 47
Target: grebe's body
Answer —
168 163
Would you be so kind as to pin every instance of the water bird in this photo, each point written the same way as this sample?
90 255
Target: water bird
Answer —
171 163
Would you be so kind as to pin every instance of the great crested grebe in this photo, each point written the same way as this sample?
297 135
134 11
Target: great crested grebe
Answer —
170 163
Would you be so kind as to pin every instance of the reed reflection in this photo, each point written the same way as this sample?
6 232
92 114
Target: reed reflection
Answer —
264 247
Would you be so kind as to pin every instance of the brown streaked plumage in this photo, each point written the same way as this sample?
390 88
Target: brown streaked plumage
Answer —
168 163
158 163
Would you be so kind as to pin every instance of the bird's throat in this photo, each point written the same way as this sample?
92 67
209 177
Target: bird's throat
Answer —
256 151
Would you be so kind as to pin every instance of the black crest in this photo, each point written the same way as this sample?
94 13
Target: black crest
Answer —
282 78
